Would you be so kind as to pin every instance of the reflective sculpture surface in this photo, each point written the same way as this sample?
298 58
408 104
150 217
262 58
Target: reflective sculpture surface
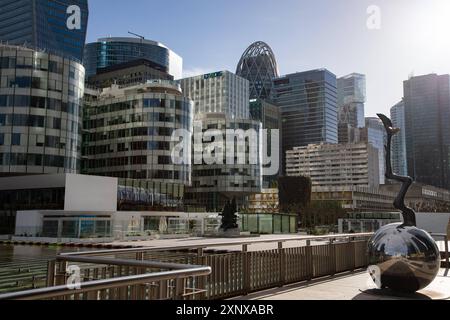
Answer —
407 257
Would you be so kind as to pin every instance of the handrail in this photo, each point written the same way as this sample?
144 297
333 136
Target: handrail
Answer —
55 292
204 245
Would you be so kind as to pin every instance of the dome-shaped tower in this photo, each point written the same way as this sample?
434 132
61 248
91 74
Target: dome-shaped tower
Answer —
259 66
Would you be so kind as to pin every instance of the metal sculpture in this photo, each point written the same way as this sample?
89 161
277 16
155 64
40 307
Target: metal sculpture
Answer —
407 258
229 217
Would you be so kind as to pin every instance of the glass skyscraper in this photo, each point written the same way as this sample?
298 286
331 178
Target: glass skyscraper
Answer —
399 141
351 98
259 66
375 134
43 24
308 104
40 112
108 52
427 118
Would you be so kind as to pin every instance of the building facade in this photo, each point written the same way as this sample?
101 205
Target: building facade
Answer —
357 199
215 183
399 162
107 52
375 134
351 91
332 165
128 74
270 117
219 92
308 104
427 118
46 25
259 66
40 112
265 202
128 135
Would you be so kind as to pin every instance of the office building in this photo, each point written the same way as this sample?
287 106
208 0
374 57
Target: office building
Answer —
427 118
308 104
270 117
351 91
259 66
356 199
40 112
331 165
399 140
375 134
108 52
213 184
128 135
219 92
46 25
128 74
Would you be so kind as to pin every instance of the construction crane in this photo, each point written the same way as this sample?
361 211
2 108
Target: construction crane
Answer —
137 35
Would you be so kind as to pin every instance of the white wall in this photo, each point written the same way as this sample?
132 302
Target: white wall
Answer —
28 221
90 193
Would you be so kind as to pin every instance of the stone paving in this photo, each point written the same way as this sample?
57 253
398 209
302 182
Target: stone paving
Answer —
349 287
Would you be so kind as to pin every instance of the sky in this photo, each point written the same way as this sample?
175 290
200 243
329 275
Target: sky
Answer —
405 38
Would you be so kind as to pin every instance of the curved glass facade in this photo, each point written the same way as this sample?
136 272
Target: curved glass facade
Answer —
112 51
40 112
43 24
259 66
128 135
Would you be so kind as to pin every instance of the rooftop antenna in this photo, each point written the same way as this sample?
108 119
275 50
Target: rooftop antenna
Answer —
137 35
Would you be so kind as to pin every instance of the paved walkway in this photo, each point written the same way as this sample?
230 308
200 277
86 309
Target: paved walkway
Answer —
216 242
348 287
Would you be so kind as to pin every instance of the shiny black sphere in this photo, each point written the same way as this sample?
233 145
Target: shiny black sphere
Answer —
407 257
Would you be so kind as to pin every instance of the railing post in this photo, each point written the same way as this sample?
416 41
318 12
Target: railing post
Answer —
246 269
447 258
282 258
309 261
333 259
60 278
351 240
179 289
50 273
202 280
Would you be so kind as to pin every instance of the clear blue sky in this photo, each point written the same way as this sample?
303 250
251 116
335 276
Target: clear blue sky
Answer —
211 35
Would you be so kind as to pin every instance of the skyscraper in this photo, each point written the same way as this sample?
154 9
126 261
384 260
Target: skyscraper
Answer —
375 134
107 52
218 92
351 91
58 27
259 66
427 118
308 104
40 112
399 141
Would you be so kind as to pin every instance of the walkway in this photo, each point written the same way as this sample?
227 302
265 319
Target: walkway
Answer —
346 287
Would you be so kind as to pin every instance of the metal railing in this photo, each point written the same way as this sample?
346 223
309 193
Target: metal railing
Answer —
200 272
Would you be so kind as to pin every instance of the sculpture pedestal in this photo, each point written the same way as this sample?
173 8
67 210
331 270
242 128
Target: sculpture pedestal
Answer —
230 233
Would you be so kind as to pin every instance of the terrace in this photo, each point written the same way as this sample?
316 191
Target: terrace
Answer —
270 267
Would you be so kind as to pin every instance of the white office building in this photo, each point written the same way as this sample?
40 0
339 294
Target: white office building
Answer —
219 92
330 165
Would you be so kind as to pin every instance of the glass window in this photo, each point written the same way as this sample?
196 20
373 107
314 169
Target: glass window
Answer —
2 139
15 139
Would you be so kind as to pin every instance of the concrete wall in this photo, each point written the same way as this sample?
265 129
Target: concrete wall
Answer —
90 193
